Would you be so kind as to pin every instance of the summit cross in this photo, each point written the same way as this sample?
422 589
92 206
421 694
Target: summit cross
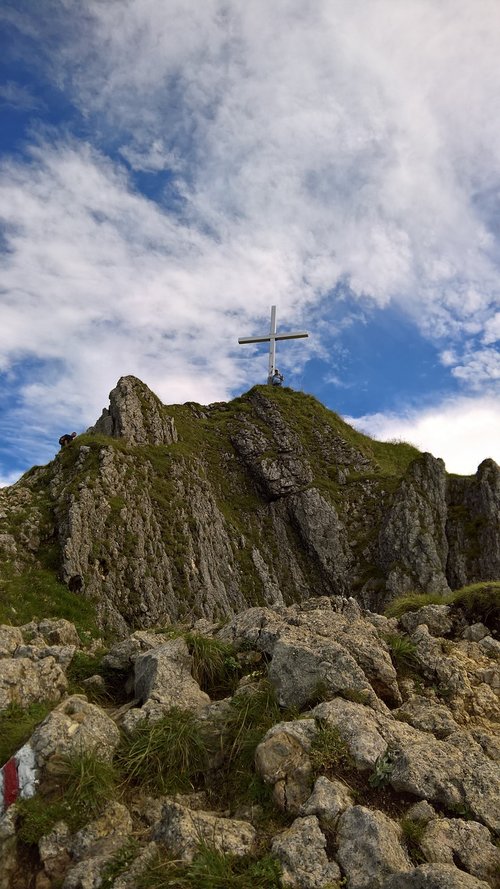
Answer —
271 338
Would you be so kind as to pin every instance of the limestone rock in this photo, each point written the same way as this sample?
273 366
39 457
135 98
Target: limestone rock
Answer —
10 638
327 801
434 876
413 547
437 619
301 852
74 726
8 847
281 760
452 840
136 414
114 824
24 682
163 680
358 727
369 848
181 830
54 850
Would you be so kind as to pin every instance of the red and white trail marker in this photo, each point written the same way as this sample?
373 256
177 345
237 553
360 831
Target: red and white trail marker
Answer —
18 777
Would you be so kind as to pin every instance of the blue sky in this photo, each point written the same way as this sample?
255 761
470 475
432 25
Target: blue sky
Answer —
169 169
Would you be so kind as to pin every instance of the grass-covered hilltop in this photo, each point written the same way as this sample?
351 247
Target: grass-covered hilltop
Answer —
246 646
188 511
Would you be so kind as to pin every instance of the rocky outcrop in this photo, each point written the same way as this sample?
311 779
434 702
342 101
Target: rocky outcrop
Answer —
165 513
383 784
136 415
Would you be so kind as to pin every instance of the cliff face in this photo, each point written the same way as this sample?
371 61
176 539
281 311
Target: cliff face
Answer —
164 513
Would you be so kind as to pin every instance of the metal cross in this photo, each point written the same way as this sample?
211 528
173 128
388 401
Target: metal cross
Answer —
271 338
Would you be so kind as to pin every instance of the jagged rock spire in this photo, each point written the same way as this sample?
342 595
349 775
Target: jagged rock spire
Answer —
136 414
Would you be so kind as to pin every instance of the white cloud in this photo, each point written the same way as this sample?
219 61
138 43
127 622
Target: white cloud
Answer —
311 144
462 431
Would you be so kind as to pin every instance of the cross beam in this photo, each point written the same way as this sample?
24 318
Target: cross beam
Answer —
272 338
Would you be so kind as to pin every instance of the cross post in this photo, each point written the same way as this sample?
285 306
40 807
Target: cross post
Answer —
272 338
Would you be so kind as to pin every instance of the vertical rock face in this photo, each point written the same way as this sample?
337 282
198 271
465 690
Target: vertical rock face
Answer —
413 547
473 526
163 513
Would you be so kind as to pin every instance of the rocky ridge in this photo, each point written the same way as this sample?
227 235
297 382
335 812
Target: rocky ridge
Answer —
338 748
173 512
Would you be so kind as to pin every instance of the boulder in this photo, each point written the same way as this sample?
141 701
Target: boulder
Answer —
281 759
163 680
369 848
25 682
10 638
434 876
357 726
452 841
437 619
74 726
182 830
301 853
327 801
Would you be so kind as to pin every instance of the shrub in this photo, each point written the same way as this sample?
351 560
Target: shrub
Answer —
37 816
166 756
215 667
383 770
119 863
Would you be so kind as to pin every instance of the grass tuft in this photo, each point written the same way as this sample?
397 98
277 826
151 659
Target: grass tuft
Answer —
329 752
211 869
167 756
480 602
403 650
413 832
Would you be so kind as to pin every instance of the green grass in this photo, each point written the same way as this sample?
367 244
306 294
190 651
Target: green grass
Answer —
17 726
251 715
36 593
215 666
413 831
479 601
329 752
167 756
211 869
85 785
119 863
89 782
403 651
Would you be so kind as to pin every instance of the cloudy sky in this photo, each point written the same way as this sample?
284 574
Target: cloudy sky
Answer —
172 168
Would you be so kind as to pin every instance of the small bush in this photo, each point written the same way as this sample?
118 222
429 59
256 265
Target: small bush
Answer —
167 756
479 602
383 770
37 816
252 713
413 602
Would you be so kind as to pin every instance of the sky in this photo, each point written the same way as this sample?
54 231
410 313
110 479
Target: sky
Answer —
169 169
